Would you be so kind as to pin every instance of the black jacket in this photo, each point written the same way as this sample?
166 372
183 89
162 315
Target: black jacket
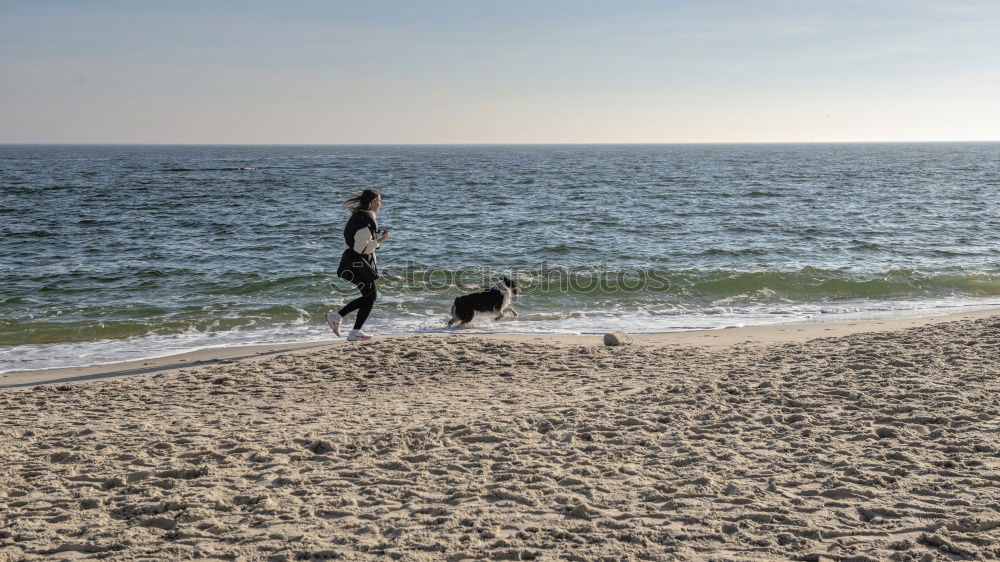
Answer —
355 266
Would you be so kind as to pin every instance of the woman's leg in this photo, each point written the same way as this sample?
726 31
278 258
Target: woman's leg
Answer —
368 296
362 304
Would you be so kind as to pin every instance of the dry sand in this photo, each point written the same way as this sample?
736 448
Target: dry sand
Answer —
867 446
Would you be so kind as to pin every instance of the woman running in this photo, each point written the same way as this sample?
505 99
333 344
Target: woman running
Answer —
361 238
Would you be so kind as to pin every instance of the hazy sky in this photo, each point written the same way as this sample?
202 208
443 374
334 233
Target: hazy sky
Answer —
482 72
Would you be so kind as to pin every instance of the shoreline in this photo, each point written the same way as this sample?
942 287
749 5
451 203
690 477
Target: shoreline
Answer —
719 337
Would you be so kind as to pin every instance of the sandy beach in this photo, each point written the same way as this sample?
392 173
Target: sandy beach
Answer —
861 441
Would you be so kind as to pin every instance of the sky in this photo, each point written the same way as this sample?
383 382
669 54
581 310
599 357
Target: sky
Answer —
471 71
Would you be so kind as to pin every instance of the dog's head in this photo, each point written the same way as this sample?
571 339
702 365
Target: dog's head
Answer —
511 285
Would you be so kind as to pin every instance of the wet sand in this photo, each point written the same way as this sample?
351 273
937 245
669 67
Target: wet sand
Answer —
881 441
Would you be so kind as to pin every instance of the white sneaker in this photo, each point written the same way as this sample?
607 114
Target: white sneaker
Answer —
358 335
334 319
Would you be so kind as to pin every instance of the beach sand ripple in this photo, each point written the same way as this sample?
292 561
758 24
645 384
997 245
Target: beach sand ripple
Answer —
877 446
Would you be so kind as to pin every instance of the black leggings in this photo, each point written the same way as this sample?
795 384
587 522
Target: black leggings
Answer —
362 304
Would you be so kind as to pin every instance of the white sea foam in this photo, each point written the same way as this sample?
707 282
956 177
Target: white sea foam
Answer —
79 354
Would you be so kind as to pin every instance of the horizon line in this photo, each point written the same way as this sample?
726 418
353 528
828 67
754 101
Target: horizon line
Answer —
492 143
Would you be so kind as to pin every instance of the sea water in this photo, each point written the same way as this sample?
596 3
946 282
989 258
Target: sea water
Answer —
111 253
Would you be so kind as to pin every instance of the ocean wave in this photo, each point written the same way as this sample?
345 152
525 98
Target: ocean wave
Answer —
806 284
31 331
233 301
225 169
733 252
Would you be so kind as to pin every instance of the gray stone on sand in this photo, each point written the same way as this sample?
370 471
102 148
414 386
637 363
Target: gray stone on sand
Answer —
617 338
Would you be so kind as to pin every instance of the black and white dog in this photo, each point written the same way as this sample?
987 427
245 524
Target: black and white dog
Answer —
495 301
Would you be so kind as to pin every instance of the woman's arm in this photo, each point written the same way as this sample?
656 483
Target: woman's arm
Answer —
363 243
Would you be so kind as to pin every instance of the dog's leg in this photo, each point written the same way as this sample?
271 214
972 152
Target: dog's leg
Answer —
505 311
